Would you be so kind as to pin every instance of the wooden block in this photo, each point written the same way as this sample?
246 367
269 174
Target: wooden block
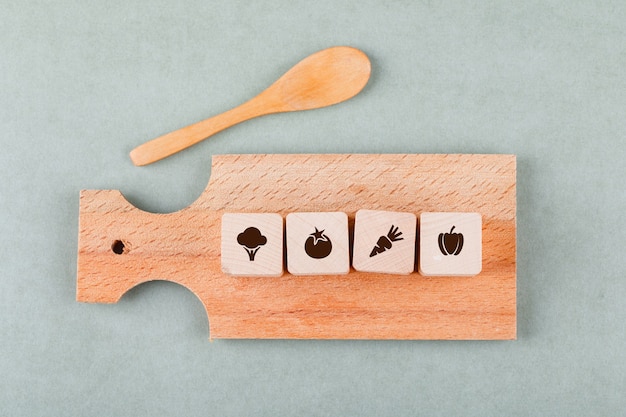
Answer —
317 243
384 241
184 247
450 244
252 244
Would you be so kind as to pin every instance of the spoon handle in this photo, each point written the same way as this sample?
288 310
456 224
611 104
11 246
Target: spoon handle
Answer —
180 139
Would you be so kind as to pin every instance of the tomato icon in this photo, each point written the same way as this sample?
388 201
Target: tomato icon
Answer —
318 245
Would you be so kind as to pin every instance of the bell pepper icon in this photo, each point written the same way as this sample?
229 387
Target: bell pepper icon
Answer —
450 243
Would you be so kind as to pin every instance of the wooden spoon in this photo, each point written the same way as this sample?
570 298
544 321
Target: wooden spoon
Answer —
327 77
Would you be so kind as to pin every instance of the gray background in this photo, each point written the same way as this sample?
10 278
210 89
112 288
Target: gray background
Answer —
83 82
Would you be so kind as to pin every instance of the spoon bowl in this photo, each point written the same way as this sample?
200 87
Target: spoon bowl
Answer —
327 77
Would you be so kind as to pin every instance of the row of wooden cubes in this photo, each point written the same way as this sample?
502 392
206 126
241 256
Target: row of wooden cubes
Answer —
318 243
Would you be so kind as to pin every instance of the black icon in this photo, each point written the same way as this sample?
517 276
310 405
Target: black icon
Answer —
318 245
450 243
384 242
251 239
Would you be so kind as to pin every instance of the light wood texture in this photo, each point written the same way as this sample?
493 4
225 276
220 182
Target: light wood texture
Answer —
252 244
450 244
317 243
184 247
384 241
325 78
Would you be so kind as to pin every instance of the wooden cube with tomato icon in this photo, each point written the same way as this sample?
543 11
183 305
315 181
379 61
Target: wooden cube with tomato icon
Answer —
450 244
317 243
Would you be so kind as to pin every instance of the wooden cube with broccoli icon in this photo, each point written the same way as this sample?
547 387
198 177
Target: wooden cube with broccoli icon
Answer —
252 244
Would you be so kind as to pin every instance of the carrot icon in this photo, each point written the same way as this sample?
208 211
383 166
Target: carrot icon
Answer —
385 242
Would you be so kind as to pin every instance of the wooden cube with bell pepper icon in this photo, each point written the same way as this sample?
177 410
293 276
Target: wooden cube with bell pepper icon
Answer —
450 244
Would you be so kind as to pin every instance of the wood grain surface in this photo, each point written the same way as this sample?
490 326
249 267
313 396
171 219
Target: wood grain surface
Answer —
184 247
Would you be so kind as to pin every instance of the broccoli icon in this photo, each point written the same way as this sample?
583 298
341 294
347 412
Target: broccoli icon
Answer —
251 239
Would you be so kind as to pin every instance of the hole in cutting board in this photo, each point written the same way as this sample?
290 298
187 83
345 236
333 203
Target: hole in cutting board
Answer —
118 247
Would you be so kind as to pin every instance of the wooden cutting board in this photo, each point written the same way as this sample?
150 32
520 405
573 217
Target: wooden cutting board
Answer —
184 247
